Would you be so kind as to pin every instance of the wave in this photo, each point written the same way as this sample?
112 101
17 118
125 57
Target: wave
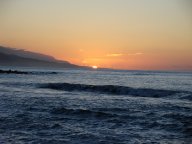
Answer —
111 89
82 112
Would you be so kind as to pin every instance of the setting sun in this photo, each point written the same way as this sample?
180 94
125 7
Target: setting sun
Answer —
94 67
114 34
93 71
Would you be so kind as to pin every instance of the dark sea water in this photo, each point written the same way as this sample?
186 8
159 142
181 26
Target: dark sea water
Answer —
96 107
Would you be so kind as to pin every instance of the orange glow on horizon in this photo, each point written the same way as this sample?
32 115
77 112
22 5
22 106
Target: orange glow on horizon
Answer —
128 34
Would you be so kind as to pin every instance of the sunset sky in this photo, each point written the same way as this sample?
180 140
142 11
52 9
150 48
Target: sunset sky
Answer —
120 34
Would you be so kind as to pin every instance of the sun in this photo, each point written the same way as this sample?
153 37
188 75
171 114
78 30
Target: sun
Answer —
95 67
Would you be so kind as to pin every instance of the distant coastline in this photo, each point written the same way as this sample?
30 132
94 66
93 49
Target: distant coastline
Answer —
20 58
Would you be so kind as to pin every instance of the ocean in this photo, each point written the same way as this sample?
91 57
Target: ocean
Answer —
96 107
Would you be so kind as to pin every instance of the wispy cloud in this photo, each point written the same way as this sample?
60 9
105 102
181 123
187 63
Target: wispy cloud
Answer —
121 54
81 50
136 54
115 55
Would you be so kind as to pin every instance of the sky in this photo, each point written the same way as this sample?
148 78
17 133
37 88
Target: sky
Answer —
119 34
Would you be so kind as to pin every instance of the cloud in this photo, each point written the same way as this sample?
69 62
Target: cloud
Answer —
84 61
115 55
121 54
81 50
136 54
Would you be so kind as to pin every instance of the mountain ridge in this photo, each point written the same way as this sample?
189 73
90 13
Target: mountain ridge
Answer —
18 57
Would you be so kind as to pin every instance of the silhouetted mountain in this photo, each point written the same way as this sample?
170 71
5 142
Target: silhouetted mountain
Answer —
27 54
13 57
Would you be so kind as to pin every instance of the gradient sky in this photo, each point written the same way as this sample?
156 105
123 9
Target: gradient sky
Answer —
122 34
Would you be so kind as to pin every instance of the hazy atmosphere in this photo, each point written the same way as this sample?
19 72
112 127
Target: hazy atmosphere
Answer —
122 34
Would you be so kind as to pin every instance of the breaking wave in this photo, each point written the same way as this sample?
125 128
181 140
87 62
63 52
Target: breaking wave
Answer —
112 89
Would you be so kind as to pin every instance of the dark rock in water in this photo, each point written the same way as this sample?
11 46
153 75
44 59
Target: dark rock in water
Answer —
12 72
23 72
